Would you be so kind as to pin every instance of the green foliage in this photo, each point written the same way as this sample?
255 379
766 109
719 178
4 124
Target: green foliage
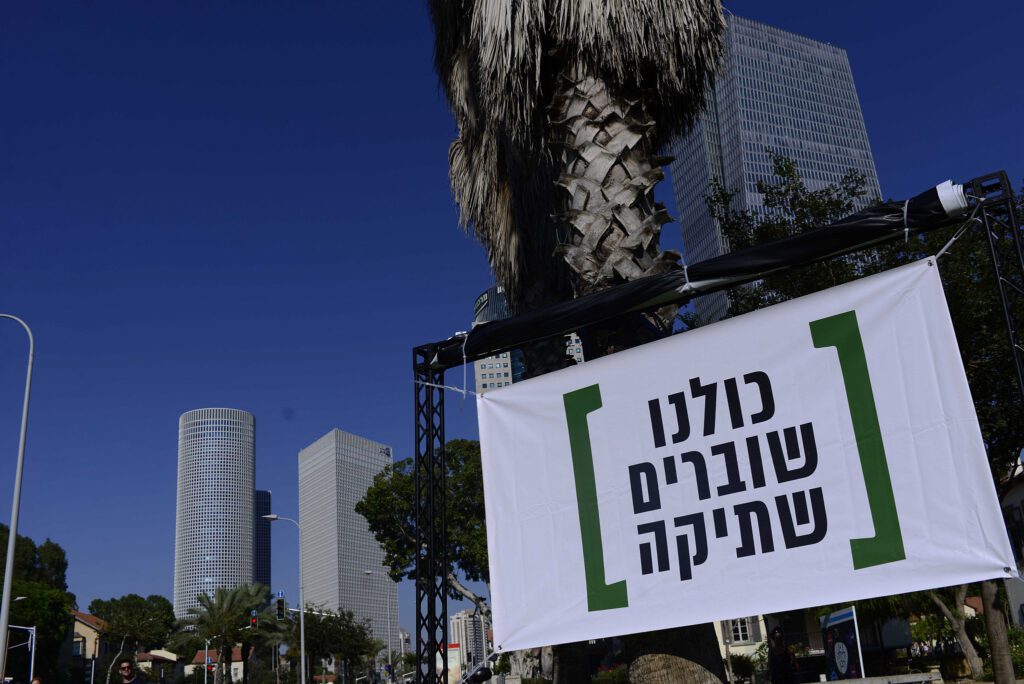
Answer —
742 665
146 622
46 564
616 675
39 576
389 509
46 608
337 635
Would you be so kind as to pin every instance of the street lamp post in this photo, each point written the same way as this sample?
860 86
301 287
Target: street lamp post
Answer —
302 603
5 604
387 601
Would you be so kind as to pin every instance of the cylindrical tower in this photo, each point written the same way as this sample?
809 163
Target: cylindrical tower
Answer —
213 545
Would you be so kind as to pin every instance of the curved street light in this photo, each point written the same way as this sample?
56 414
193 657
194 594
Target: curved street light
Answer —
302 603
5 605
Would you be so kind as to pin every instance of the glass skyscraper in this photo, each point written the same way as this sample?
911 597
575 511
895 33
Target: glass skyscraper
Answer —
261 539
342 564
213 544
775 91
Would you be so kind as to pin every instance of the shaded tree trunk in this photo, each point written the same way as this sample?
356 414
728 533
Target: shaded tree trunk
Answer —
612 229
998 638
958 622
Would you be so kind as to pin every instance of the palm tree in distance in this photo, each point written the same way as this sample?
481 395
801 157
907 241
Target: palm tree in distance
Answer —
561 106
224 620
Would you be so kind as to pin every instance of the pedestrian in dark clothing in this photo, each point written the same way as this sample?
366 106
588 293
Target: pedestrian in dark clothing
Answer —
126 668
781 664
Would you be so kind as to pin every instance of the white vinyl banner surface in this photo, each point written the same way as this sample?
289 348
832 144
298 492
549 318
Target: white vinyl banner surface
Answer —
823 450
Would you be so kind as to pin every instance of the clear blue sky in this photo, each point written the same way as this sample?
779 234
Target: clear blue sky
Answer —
247 205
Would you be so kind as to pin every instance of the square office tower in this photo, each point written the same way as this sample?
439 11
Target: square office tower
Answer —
774 91
342 563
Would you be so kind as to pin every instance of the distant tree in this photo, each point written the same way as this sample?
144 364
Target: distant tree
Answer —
974 308
49 611
144 623
336 635
224 620
46 564
389 507
39 576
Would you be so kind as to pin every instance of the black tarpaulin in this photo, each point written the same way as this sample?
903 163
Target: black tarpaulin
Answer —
934 208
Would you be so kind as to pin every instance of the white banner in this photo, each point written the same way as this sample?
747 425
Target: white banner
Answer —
823 450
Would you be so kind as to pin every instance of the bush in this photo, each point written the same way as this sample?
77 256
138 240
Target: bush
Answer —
742 666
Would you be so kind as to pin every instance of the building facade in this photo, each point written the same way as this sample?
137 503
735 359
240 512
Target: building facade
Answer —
342 563
775 91
470 629
261 538
213 544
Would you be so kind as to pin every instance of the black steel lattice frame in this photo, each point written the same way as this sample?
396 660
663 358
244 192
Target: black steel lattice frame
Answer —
993 196
998 217
431 523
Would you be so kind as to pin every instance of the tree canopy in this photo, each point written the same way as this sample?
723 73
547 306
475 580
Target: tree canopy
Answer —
390 508
39 576
145 623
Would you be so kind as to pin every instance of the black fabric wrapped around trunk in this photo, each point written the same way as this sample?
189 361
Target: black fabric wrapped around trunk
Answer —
872 225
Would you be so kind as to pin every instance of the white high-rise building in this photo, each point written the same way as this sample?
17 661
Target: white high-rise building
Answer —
342 563
469 629
775 91
213 544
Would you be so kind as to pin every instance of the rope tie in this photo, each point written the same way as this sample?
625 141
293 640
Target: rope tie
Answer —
959 233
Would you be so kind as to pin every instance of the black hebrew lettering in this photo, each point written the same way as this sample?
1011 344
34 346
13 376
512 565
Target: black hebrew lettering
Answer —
657 427
700 540
789 533
669 463
735 483
732 397
721 529
710 395
745 514
764 386
649 475
756 464
700 472
782 471
656 528
682 417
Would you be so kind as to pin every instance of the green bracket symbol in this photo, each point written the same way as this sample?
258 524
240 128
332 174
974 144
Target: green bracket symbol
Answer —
600 596
842 332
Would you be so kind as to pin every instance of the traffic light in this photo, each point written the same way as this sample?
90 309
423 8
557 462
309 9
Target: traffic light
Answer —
481 675
254 623
209 667
280 609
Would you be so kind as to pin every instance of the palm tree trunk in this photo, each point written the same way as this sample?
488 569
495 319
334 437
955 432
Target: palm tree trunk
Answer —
998 638
612 222
612 229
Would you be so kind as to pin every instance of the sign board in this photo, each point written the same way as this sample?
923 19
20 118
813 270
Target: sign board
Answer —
842 645
209 660
252 613
822 450
280 594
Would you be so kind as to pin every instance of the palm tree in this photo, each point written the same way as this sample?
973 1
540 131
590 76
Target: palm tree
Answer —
224 620
561 107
